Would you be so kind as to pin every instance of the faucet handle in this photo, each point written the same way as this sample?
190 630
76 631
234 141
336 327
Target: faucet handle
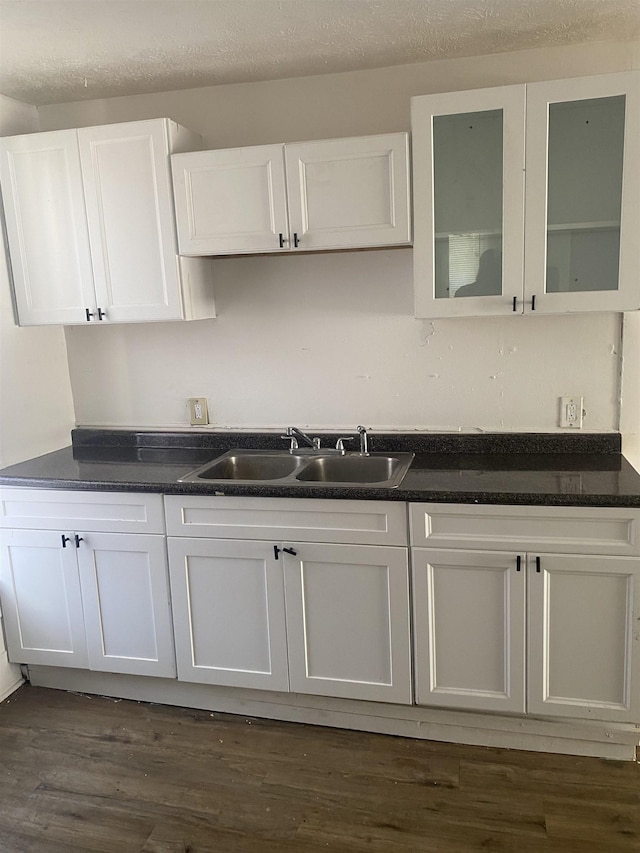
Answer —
340 443
292 439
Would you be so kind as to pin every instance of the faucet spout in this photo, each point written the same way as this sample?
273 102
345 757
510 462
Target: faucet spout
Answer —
364 440
294 432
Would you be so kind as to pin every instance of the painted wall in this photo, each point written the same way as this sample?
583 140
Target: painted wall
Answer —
36 408
330 340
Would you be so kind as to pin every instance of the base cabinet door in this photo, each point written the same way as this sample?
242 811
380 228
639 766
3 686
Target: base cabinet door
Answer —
469 629
584 636
228 610
41 600
125 594
348 621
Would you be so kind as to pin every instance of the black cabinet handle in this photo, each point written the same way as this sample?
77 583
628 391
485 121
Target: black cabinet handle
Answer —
533 302
89 315
296 241
277 551
101 314
518 563
78 539
281 240
515 303
537 564
65 539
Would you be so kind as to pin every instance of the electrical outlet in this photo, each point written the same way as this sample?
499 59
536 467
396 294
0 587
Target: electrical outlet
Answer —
571 412
198 413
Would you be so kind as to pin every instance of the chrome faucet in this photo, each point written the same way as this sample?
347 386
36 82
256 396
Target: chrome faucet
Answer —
297 435
364 440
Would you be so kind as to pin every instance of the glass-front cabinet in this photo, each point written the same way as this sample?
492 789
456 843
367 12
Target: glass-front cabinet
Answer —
527 198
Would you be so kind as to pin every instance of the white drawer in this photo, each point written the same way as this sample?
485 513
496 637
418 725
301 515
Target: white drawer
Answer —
561 530
297 519
52 509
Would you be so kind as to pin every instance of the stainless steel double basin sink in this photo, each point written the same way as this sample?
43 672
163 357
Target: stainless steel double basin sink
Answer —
278 467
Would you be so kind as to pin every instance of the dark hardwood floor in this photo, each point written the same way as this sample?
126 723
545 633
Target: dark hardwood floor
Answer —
83 774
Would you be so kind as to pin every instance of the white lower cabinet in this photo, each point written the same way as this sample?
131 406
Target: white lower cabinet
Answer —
41 599
469 629
348 621
228 610
565 646
309 616
81 598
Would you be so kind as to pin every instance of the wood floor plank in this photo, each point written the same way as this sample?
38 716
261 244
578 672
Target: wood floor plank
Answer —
87 774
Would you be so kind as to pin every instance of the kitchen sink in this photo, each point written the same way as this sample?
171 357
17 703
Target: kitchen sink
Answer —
353 469
243 465
305 468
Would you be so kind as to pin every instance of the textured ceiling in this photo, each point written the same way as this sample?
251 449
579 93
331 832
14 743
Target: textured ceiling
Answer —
53 51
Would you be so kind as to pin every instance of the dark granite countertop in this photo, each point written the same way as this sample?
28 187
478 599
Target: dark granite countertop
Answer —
543 469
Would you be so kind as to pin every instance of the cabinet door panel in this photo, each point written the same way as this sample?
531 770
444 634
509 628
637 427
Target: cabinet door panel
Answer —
468 191
583 193
46 227
131 226
345 193
125 593
231 201
228 608
348 622
469 629
41 601
584 646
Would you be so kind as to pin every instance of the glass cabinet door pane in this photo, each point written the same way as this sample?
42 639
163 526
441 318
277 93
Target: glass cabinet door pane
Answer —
584 194
467 191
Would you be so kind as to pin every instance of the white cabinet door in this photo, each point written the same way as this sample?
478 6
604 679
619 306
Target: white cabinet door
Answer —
129 204
469 629
348 621
468 199
125 593
349 193
47 227
331 194
583 194
41 600
231 201
584 642
228 611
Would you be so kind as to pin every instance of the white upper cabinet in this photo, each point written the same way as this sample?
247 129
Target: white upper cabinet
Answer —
47 227
582 234
468 184
90 226
332 194
230 201
527 198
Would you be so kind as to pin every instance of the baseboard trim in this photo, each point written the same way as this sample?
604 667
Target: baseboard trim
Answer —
617 741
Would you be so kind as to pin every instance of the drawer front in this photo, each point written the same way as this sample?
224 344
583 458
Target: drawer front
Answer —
562 530
299 520
52 509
